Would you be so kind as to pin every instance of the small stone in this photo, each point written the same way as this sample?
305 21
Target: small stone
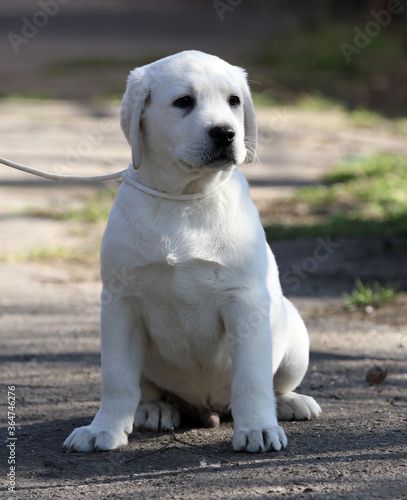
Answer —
376 375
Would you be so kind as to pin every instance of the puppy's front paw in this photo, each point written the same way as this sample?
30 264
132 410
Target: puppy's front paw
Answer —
293 406
259 440
157 416
89 438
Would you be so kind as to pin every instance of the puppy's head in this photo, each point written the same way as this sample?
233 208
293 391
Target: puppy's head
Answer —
192 110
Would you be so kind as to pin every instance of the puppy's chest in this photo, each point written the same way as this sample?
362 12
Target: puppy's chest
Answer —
184 270
184 279
182 244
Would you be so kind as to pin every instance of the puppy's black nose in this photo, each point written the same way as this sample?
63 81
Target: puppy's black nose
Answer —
223 136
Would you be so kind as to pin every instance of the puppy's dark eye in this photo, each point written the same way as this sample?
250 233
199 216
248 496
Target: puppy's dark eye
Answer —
234 101
185 101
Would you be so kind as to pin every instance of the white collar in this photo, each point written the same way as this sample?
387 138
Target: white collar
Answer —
178 197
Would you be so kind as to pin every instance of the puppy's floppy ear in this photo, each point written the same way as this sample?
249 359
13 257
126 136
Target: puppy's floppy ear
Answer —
132 106
250 123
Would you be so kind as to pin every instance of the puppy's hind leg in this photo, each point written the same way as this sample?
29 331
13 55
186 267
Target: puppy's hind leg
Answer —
291 371
154 413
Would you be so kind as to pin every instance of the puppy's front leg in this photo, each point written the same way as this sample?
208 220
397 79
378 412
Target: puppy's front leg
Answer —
253 401
122 352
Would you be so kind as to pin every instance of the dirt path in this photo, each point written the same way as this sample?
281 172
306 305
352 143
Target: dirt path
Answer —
49 330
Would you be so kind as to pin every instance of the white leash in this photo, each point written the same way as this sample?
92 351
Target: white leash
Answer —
123 174
178 197
58 177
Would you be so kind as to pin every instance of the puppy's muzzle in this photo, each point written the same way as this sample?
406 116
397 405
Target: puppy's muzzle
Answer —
222 136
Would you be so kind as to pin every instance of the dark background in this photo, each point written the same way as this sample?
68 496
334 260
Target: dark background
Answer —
84 49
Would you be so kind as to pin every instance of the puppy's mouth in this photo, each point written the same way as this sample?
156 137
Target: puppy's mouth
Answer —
220 160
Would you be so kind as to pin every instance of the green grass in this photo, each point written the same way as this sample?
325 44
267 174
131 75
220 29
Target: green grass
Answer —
40 254
95 209
369 294
360 196
318 102
368 188
263 99
365 118
399 126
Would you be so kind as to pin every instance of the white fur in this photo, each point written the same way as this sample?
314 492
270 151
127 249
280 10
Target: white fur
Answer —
192 303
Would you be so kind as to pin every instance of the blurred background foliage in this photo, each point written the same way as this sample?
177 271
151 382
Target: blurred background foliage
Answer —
289 47
353 52
348 56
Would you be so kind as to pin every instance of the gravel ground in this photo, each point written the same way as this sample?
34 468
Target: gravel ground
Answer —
50 353
50 348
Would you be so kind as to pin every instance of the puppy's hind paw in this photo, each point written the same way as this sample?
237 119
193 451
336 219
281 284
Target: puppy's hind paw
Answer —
157 416
293 406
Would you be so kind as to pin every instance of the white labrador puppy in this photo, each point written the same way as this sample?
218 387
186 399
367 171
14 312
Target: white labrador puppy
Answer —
193 317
